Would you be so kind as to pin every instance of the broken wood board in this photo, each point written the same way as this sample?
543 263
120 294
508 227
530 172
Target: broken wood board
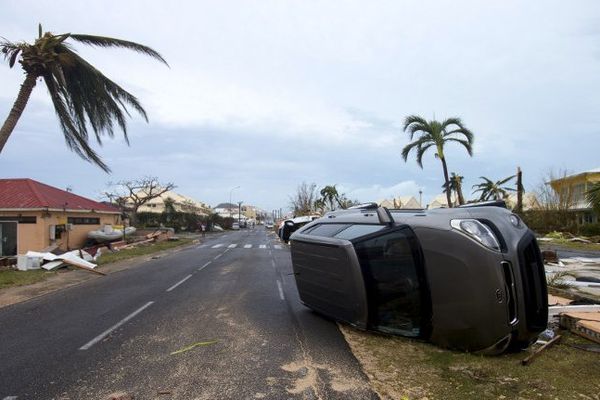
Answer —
557 300
585 324
556 310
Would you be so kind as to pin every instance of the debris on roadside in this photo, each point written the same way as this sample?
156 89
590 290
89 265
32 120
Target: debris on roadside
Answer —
50 261
584 324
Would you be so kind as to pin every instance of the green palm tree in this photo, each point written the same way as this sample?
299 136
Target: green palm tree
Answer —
82 96
455 186
330 195
593 196
493 190
436 134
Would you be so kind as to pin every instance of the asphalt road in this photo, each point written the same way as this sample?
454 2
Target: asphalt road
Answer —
221 320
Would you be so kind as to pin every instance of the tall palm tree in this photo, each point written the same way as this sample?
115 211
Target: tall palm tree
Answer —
455 186
82 96
493 190
436 134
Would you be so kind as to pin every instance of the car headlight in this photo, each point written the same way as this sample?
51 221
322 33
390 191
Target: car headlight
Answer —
478 231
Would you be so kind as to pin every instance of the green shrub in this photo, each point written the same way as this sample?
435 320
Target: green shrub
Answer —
590 229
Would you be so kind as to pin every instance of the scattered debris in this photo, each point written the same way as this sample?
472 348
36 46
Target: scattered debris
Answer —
531 357
76 258
585 324
594 348
193 346
550 256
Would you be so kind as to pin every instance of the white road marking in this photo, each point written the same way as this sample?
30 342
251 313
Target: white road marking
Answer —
248 246
10 398
179 283
204 266
116 326
263 246
232 246
217 256
278 247
280 288
216 246
273 262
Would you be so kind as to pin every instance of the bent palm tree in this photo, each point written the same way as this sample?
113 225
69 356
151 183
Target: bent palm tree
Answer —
436 134
82 96
329 194
493 190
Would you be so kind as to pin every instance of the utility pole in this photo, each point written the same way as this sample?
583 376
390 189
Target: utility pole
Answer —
239 212
229 206
420 198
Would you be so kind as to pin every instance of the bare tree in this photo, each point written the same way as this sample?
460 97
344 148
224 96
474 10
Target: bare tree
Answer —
132 194
303 202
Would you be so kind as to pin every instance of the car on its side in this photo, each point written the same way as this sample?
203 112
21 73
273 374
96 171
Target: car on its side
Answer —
468 278
292 225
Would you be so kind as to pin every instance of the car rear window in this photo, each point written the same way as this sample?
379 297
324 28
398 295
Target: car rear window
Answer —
355 231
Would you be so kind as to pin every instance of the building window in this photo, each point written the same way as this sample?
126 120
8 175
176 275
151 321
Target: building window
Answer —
83 221
20 219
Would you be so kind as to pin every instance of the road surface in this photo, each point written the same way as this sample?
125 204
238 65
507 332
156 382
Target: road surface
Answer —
220 320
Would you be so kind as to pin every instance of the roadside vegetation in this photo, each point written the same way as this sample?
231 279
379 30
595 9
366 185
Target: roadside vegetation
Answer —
107 258
10 278
401 368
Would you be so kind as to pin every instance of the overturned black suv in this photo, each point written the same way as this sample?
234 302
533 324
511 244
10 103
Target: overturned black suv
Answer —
468 278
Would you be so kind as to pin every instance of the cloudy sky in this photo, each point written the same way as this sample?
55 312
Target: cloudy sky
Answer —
268 94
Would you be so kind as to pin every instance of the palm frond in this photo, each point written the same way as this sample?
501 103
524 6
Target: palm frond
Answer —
76 140
103 41
593 196
465 143
503 181
421 149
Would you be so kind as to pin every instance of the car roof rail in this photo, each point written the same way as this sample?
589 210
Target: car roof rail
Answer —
490 203
385 216
364 206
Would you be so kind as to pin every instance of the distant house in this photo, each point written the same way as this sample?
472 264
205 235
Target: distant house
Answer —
530 201
400 202
34 216
573 189
440 201
181 203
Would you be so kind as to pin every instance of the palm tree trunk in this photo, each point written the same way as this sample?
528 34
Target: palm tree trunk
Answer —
459 193
519 190
17 109
447 180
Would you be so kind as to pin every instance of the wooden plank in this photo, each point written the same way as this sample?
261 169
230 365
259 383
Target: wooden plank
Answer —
536 353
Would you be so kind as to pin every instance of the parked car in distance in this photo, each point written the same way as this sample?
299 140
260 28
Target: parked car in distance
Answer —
468 278
235 226
269 225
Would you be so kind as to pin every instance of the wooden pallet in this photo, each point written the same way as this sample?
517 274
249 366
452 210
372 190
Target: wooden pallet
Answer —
585 324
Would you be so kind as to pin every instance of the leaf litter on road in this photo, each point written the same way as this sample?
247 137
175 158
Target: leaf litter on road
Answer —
193 346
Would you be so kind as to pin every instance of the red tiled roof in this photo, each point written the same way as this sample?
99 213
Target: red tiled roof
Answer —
27 193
